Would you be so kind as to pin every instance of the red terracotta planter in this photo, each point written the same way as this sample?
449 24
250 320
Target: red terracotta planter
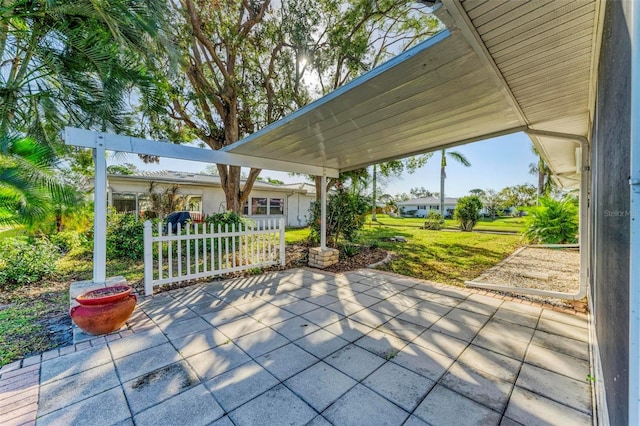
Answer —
103 310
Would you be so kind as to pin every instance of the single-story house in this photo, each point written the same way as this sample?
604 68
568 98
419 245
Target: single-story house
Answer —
421 206
203 194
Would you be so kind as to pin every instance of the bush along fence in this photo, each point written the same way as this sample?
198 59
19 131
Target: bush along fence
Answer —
201 250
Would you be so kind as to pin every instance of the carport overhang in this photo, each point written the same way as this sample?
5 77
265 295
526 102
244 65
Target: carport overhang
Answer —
498 68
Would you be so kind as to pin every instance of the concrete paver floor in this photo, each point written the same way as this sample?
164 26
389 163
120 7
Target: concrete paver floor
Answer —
305 347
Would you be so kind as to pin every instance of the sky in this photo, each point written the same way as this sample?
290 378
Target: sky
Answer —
495 164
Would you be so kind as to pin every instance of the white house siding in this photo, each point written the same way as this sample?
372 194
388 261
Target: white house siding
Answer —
430 203
296 198
298 206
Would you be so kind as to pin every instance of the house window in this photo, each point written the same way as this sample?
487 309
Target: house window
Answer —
422 207
124 203
276 206
262 206
258 206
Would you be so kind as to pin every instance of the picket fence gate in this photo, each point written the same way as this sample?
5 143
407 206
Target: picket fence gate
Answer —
200 250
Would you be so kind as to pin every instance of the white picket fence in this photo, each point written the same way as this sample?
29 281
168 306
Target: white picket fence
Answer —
200 251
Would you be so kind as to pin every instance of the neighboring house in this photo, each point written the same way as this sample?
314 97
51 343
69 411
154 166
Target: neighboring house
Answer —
420 206
203 194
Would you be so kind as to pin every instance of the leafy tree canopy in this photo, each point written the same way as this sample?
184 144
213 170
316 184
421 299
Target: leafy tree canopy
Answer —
241 65
518 196
122 169
422 192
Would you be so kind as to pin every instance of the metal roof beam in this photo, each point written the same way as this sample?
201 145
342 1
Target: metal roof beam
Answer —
91 139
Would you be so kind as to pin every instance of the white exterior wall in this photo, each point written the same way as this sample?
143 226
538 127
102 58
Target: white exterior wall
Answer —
296 204
297 207
408 207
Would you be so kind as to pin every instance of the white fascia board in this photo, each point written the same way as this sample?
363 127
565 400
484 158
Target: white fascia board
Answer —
88 138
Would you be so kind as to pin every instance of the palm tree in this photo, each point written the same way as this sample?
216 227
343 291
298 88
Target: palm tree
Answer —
63 63
28 182
542 170
460 158
72 62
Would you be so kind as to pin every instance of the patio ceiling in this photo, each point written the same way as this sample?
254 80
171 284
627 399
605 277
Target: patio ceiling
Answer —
500 67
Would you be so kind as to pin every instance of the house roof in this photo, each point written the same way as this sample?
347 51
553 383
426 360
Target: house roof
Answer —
498 68
173 177
427 201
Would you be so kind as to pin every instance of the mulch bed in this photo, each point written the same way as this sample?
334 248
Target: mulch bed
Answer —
365 257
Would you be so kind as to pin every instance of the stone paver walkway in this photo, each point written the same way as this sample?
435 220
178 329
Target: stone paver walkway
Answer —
304 347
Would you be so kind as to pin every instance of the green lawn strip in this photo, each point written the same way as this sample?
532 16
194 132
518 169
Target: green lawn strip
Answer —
296 235
504 224
444 257
81 268
22 325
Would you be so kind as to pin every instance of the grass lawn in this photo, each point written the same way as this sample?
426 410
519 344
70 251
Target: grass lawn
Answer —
296 235
25 320
503 224
441 256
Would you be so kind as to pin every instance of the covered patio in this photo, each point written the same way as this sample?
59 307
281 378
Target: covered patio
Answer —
307 347
304 346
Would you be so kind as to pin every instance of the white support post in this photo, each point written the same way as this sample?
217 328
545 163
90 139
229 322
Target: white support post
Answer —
100 212
634 247
148 258
584 233
323 212
283 258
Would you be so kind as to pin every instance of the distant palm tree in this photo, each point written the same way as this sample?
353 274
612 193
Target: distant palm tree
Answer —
542 170
460 158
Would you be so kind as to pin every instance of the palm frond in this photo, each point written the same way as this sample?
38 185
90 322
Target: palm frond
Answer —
459 157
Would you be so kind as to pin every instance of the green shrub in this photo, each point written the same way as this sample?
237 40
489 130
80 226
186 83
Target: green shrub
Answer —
125 236
350 250
227 218
467 211
433 220
68 241
553 221
25 261
230 219
346 213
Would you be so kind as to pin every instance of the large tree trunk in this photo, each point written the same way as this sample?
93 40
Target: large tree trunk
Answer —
317 180
235 194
